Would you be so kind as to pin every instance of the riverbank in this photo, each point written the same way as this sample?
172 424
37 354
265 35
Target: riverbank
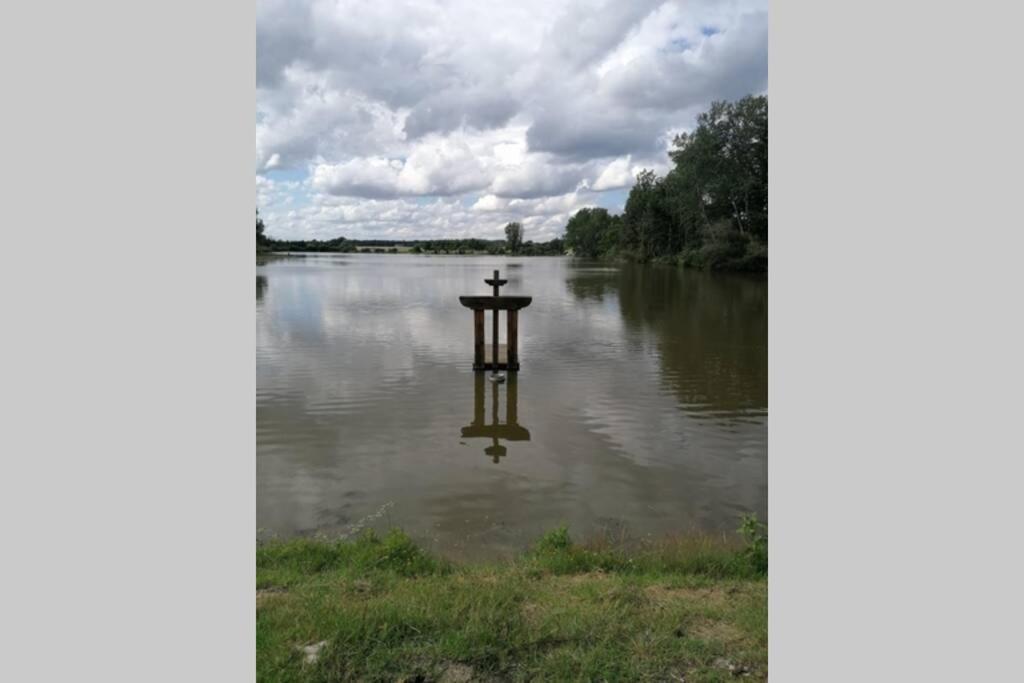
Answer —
381 608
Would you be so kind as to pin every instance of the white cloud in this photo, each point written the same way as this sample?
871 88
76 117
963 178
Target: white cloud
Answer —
360 177
490 202
617 174
445 167
451 118
536 176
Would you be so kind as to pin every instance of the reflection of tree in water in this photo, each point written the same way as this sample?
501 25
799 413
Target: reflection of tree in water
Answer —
592 283
711 330
261 286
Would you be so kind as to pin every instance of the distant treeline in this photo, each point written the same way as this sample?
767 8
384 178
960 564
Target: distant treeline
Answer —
710 211
339 244
447 246
477 246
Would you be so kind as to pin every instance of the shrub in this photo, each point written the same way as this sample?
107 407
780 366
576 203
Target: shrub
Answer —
756 551
554 540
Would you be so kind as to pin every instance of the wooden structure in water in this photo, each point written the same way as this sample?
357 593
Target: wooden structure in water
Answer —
496 356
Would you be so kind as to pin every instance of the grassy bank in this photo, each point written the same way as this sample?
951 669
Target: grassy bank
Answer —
381 609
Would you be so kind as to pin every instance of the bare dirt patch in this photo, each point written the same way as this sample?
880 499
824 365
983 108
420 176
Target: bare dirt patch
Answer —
712 597
457 673
576 579
265 594
717 631
533 613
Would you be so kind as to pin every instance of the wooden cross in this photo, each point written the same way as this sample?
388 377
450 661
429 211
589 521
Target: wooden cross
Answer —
496 302
496 282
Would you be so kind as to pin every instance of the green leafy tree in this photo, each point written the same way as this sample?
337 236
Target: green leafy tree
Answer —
592 232
514 237
262 242
709 211
649 230
727 155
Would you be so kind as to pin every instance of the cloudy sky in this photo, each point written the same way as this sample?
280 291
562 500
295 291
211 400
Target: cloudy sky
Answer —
406 120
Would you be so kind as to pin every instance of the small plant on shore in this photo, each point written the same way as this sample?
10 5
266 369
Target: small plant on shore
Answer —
556 539
756 536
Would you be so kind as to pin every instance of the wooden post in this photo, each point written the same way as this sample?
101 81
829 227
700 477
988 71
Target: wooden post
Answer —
478 339
494 357
494 344
512 342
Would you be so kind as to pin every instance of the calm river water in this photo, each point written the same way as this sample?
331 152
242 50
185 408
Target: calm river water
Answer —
641 405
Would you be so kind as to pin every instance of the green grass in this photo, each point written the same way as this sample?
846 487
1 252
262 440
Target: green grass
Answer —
692 609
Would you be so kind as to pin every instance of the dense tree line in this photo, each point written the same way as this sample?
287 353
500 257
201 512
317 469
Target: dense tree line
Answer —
339 244
513 245
555 247
457 246
709 211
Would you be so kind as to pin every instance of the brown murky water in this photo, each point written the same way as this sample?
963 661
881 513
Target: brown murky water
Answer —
641 406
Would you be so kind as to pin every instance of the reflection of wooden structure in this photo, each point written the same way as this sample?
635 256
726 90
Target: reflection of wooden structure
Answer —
498 356
509 431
